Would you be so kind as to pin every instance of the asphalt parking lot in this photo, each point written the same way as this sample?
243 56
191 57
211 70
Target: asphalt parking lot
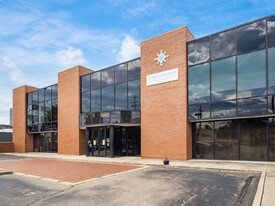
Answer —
147 186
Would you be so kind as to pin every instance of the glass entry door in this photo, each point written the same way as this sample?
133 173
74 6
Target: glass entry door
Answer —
100 143
127 141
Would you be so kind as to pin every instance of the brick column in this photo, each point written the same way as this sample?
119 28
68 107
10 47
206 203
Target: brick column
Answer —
23 142
71 140
164 127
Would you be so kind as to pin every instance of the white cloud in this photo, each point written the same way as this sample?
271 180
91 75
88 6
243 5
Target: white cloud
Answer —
70 57
129 49
9 67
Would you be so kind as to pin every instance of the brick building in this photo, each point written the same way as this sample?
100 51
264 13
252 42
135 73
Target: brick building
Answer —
207 98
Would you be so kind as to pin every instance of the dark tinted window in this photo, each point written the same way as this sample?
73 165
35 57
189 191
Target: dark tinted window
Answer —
41 95
54 110
105 117
29 98
271 31
251 37
223 45
115 117
204 140
121 73
199 84
271 71
253 144
95 80
252 74
198 51
223 109
95 100
121 96
41 112
199 111
86 101
108 98
271 139
29 111
48 93
35 97
48 111
134 95
252 106
107 77
226 142
223 79
134 70
54 92
85 83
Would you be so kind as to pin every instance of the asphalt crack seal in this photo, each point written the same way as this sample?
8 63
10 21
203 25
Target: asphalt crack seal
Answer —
245 188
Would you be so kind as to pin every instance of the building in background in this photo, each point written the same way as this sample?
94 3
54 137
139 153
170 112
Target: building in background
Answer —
10 116
206 98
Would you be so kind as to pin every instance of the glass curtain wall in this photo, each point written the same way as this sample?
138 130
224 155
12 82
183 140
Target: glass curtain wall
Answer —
114 88
232 73
42 110
244 139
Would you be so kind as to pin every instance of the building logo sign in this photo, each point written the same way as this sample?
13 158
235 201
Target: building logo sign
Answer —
162 77
161 57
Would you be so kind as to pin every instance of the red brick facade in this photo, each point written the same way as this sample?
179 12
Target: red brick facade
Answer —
6 147
165 131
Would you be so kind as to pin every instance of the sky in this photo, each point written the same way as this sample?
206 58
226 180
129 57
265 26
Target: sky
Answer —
39 38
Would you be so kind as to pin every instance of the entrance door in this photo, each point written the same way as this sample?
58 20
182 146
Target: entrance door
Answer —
127 141
100 143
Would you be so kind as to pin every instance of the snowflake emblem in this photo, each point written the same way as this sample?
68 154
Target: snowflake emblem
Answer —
161 57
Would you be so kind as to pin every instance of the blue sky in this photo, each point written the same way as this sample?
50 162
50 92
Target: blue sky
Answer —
38 39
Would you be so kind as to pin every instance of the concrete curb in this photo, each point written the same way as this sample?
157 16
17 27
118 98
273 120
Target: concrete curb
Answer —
5 172
260 190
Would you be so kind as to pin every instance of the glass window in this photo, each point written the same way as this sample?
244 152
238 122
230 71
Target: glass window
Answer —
85 83
226 142
134 95
41 112
252 106
108 98
115 117
95 100
134 70
223 44
199 84
95 80
271 31
135 119
29 98
35 97
271 139
223 109
271 104
251 37
54 110
121 96
223 79
54 92
48 111
105 117
96 118
107 77
203 140
41 95
252 74
125 117
198 51
29 114
121 73
48 93
86 101
253 141
271 71
199 111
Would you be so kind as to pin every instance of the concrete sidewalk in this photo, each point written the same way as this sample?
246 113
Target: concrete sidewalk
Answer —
266 187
